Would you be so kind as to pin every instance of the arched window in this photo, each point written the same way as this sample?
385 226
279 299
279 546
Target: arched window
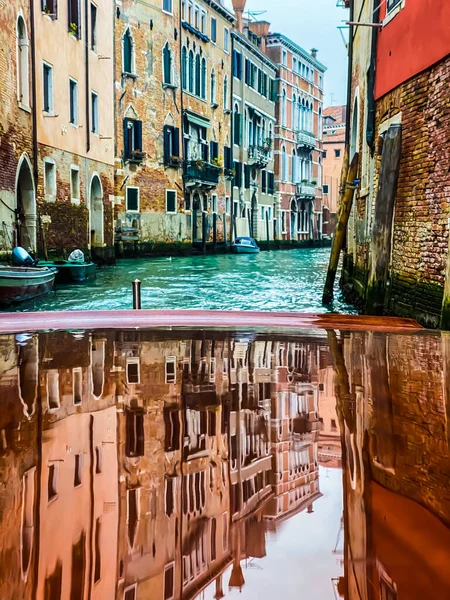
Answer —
284 164
294 112
198 75
299 113
303 114
167 64
225 92
184 67
213 87
191 72
237 126
204 78
128 52
22 64
283 109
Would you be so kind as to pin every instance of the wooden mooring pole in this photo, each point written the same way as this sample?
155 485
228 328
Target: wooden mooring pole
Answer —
345 207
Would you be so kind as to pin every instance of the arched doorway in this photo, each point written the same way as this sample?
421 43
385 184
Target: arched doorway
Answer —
26 205
254 219
96 212
293 219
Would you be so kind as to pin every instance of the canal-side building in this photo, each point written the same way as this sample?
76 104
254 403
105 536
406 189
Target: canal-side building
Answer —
254 206
17 182
73 49
148 140
206 59
333 157
398 235
298 136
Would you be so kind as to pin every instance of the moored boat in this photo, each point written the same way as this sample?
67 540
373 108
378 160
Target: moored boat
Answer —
244 245
18 284
72 271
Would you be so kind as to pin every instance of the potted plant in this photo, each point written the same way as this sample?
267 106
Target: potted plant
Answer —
217 161
304 181
73 28
313 182
46 10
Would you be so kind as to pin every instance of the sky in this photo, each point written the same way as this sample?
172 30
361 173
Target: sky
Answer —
311 24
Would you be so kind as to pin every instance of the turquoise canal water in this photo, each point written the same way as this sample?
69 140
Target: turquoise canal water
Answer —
278 280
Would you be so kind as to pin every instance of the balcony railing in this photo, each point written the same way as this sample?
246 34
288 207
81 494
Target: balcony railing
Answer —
259 155
306 190
201 172
305 139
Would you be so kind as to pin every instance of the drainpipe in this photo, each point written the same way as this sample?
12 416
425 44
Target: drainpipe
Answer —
370 130
86 60
33 96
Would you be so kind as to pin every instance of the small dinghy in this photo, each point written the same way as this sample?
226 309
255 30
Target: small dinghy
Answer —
245 245
73 270
24 281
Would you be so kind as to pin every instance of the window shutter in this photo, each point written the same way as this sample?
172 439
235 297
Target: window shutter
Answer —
227 157
247 71
125 139
138 135
205 152
239 63
167 144
176 142
211 150
274 96
79 19
132 199
263 181
247 176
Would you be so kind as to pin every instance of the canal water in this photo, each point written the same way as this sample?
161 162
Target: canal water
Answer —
205 464
278 280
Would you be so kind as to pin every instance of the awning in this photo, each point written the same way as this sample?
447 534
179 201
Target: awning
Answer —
197 120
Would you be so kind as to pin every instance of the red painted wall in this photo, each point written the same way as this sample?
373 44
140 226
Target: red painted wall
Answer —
416 38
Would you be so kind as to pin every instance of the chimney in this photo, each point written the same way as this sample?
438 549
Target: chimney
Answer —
239 7
261 29
314 52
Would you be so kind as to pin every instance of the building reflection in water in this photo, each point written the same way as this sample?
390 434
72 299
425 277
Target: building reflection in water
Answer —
145 465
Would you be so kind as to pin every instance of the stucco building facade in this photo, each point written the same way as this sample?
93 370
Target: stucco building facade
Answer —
333 156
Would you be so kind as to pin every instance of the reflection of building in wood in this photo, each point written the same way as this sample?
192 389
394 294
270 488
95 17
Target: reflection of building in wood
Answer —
329 447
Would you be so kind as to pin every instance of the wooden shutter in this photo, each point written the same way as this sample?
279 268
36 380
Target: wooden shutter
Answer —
176 142
167 148
138 135
126 143
247 176
263 181
205 152
227 157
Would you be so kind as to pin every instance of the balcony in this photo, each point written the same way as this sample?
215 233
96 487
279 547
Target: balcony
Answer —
305 139
259 156
306 190
201 173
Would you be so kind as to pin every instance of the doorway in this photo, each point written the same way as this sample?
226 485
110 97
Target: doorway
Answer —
96 212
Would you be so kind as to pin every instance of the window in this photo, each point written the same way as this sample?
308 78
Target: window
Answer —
171 145
22 64
132 139
203 86
263 181
263 210
283 109
270 183
237 126
134 438
48 88
214 203
196 17
167 65
49 180
98 554
52 486
337 153
198 75
191 72
184 67
98 460
167 6
132 199
284 58
391 4
213 526
226 39
169 582
75 18
283 222
183 10
213 29
50 8
78 471
94 112
133 372
53 390
237 64
128 52
93 28
325 188
333 424
227 205
74 184
324 154
203 22
171 372
171 201
225 92
73 102
130 593
213 88
77 384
